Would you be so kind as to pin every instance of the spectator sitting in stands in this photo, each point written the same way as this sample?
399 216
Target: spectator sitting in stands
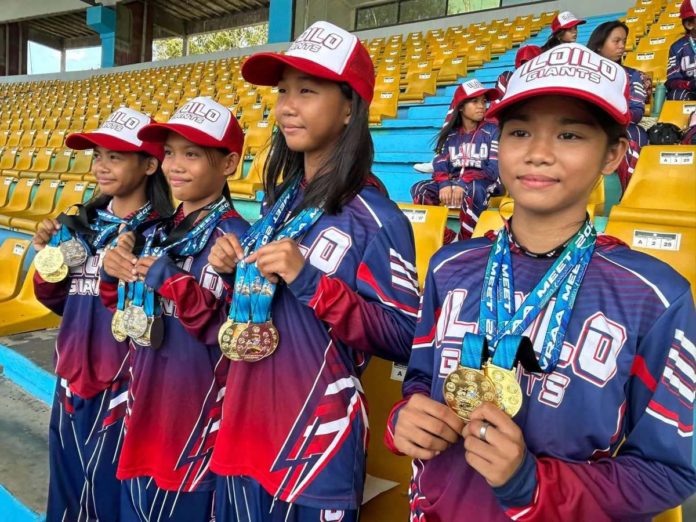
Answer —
681 66
524 54
609 40
564 29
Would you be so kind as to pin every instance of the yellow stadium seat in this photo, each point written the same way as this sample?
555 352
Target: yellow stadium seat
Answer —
384 104
19 200
416 68
663 180
251 114
24 313
14 138
25 158
677 112
82 163
419 86
61 162
650 43
428 223
7 160
501 43
673 515
452 69
387 83
247 187
673 28
4 136
653 63
41 138
27 139
12 254
41 204
478 55
5 185
43 160
57 138
72 193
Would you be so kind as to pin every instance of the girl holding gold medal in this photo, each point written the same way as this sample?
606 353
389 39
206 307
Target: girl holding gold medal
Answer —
176 307
87 419
604 428
323 281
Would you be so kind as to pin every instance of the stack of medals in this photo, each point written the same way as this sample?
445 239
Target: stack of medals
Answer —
140 313
62 253
249 334
495 380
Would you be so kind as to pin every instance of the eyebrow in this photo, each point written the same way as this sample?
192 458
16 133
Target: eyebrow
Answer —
576 121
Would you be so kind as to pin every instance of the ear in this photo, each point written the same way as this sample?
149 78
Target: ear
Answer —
230 164
152 164
348 112
615 154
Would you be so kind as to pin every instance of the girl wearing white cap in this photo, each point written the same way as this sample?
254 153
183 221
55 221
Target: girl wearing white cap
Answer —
564 29
172 306
334 261
87 419
552 372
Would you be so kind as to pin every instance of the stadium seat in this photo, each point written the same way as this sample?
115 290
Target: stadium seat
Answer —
673 515
41 204
677 112
41 138
452 69
19 200
12 254
7 160
419 86
428 223
384 104
653 63
248 186
14 138
57 139
43 160
24 313
27 139
25 158
61 161
71 193
82 163
5 185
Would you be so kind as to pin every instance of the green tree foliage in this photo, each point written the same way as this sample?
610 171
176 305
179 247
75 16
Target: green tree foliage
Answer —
206 43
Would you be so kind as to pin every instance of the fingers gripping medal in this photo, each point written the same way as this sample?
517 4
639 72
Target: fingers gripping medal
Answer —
468 387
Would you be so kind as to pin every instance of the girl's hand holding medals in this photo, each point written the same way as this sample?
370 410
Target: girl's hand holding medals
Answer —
119 261
279 260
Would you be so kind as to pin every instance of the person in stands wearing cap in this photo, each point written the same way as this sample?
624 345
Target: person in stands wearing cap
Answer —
524 54
465 170
86 423
564 29
294 427
595 422
681 65
609 40
177 370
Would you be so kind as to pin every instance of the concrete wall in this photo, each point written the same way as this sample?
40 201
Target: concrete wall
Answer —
342 13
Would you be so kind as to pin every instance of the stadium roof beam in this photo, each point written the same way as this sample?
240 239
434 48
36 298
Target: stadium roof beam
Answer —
238 19
169 23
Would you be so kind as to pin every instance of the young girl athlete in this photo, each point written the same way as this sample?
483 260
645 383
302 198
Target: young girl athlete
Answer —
465 170
177 370
595 422
681 67
564 29
86 427
294 428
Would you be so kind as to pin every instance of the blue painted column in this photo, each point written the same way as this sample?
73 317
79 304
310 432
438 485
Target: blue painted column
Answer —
280 17
103 20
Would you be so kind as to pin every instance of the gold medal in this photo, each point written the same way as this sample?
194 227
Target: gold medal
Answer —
257 341
227 338
144 340
48 260
135 321
118 330
466 389
508 390
57 276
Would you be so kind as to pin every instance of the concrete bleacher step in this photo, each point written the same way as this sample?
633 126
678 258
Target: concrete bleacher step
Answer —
24 449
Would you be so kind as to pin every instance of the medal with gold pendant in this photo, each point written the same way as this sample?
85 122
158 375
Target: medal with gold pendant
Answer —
500 370
49 260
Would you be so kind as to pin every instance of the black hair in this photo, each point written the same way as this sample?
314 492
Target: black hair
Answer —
157 191
212 161
454 123
691 19
340 177
599 36
554 40
613 129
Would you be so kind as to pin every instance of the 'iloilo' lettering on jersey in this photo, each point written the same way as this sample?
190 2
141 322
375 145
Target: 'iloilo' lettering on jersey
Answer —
469 155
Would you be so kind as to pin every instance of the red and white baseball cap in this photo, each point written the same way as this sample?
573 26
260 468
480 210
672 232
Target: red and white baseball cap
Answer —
565 20
473 89
202 121
526 53
570 70
323 50
118 133
687 9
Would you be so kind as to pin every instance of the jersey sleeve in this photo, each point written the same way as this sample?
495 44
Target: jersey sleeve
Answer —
379 316
490 165
419 375
108 290
51 295
199 310
637 97
676 79
652 470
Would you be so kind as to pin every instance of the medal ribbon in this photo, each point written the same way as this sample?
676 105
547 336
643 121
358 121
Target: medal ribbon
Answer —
497 315
121 303
474 351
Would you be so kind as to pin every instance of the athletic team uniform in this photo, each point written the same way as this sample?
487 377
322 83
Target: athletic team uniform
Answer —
637 136
681 70
294 426
86 426
627 364
470 161
175 394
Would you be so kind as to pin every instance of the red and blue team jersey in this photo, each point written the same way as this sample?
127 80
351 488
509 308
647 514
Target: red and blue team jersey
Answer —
608 432
637 94
88 364
296 422
468 156
174 397
681 66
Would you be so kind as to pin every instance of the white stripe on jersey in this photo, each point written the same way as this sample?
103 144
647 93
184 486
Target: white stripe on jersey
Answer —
671 422
408 267
655 289
685 343
119 399
370 210
683 365
683 389
342 384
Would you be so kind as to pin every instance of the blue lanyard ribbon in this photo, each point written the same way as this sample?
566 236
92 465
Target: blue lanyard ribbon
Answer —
498 317
107 225
253 293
